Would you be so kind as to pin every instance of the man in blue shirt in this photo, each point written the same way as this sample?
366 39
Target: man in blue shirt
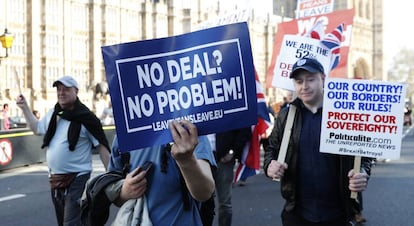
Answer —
190 158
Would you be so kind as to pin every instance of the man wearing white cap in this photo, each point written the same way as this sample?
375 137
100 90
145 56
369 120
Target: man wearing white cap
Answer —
315 185
70 131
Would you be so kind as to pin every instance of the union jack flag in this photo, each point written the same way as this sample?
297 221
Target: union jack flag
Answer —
317 31
250 161
333 42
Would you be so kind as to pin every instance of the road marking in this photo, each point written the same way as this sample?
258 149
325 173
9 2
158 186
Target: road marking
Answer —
406 132
10 197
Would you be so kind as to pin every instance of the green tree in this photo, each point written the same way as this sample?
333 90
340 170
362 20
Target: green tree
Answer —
402 69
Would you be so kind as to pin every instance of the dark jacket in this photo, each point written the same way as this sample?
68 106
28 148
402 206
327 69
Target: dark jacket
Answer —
288 182
232 140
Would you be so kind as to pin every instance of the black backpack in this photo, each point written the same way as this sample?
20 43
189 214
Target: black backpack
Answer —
96 205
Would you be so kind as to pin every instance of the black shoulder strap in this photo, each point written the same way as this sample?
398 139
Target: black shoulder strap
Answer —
184 193
125 159
184 190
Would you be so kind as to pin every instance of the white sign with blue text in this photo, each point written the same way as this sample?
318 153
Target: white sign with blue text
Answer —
293 48
363 118
206 77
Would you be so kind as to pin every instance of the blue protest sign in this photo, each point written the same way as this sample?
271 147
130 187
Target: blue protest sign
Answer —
206 77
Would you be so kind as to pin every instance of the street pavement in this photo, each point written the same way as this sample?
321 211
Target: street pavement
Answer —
388 201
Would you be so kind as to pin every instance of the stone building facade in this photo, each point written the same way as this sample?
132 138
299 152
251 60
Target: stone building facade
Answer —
59 37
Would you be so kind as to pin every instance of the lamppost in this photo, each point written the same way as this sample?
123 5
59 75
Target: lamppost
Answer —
6 40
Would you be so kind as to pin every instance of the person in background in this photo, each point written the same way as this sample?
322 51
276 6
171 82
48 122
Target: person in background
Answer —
183 166
407 115
70 131
228 147
6 120
287 100
107 117
315 185
270 108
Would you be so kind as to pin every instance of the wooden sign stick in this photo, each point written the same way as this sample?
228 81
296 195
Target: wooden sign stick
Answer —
286 136
357 169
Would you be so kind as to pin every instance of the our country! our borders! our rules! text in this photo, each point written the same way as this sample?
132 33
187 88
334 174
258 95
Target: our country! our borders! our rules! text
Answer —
363 118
